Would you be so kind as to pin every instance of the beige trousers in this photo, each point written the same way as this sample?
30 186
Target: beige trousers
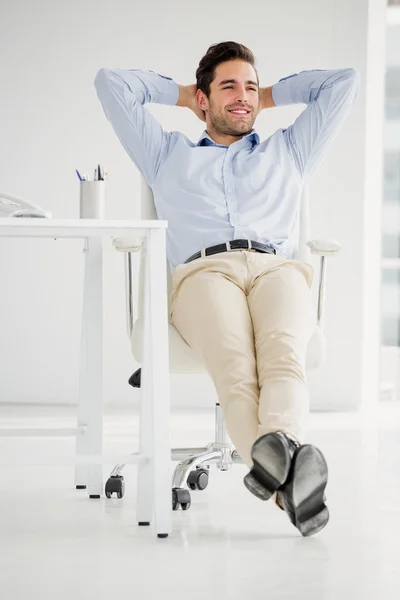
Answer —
249 317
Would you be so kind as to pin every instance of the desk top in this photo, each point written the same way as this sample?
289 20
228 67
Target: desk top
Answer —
75 228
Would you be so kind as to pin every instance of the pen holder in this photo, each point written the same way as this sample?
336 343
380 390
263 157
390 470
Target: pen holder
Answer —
92 199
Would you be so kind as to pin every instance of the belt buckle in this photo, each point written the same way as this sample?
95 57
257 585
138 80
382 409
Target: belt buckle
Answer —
249 247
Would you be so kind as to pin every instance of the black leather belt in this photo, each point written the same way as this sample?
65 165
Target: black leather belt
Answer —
233 245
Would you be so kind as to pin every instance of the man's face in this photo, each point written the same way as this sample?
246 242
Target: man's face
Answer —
234 86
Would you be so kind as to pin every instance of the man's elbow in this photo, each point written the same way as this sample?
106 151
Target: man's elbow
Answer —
352 76
101 79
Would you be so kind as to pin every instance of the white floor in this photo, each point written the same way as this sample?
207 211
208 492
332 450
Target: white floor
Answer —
56 543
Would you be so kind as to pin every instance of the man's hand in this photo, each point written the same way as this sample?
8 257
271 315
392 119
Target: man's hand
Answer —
266 99
187 98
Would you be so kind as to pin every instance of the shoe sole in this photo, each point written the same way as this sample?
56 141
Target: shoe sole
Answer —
310 477
271 466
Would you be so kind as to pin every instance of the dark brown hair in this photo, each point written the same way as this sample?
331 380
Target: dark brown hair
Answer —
217 54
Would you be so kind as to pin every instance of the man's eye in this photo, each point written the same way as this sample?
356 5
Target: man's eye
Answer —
231 87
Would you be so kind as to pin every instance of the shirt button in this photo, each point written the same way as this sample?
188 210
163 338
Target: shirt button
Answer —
229 190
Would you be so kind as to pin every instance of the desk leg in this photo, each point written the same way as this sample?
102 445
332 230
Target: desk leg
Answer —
145 483
159 389
90 410
81 471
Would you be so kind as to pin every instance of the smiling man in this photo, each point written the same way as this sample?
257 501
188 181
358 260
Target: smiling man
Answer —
241 299
230 117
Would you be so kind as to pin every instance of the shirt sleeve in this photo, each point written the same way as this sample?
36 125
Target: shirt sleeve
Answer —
123 94
329 96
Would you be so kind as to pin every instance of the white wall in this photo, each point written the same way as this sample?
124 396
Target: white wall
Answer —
51 123
390 355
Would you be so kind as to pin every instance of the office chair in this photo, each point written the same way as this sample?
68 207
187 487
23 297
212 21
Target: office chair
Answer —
194 463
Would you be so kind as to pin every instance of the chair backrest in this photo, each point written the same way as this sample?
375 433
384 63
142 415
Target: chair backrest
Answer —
303 251
148 211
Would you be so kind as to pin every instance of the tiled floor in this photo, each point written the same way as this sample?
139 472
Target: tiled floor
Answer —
56 543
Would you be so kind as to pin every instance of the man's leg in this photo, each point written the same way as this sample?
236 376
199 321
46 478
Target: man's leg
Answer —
281 308
280 304
210 311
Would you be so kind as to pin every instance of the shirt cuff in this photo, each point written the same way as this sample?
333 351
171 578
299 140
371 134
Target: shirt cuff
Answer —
165 89
281 92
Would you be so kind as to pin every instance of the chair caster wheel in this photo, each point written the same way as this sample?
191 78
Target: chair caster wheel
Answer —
115 484
181 497
198 480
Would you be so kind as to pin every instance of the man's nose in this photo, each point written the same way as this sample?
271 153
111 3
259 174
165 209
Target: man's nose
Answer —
242 96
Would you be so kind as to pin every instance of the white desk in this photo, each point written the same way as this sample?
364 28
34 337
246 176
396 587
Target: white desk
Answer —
154 491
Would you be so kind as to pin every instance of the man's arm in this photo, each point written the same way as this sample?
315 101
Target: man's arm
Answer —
329 96
266 98
123 94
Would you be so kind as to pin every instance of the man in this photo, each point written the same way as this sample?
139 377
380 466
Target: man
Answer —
240 298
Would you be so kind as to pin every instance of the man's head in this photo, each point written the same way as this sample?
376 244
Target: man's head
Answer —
226 80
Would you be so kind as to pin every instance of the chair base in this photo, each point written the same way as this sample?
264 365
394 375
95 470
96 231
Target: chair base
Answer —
220 453
223 456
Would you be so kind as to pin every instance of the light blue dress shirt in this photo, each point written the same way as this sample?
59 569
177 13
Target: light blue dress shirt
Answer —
210 193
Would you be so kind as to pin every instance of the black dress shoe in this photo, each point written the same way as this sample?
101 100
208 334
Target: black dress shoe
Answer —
272 456
302 497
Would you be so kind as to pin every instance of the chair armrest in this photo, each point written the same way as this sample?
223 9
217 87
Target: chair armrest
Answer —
324 247
127 243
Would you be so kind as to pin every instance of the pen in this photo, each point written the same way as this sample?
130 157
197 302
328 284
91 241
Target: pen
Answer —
99 171
79 175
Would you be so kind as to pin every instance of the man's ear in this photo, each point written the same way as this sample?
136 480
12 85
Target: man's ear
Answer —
202 100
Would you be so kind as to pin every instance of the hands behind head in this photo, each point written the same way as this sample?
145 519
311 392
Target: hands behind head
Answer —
192 103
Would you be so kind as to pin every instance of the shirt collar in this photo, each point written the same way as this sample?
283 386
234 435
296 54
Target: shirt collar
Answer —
252 138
